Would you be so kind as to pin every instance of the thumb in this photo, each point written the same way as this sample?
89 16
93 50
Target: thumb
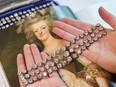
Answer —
107 17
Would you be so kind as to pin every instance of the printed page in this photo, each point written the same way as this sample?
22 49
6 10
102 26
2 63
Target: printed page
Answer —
3 79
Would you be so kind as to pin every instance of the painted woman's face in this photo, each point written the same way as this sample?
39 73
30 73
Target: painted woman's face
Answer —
41 30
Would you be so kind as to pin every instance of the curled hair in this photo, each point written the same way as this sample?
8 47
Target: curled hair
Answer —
24 26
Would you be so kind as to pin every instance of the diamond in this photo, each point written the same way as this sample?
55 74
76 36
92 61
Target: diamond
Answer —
56 60
57 52
86 33
73 41
81 35
64 63
71 50
35 66
44 74
55 68
98 25
52 64
39 76
92 35
69 59
42 69
37 71
68 44
59 65
39 64
30 81
74 55
63 48
77 38
27 76
76 46
35 78
50 71
83 48
66 53
95 38
79 51
47 66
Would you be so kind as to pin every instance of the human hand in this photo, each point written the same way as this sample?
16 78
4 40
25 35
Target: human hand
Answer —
33 56
102 52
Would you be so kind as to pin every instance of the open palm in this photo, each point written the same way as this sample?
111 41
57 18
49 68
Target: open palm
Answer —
102 52
33 56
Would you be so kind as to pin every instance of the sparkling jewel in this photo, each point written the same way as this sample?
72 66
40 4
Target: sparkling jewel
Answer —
104 33
44 74
77 38
74 55
35 66
92 35
71 50
86 33
90 30
61 57
37 71
91 41
64 63
30 81
85 40
95 38
50 71
68 44
98 25
87 44
39 64
42 69
35 78
56 60
79 51
81 43
57 52
66 54
27 76
69 59
59 65
55 68
39 76
76 46
47 66
97 31
83 48
63 48
24 71
73 41
52 64
81 35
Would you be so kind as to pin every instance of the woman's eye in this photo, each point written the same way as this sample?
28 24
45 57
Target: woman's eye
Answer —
35 31
44 27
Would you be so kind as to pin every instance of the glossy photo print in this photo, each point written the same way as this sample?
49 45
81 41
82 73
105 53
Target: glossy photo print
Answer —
35 29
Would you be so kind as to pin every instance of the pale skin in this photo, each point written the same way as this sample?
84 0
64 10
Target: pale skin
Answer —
103 52
42 32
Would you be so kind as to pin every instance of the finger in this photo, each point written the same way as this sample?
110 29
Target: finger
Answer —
44 58
108 17
77 23
20 65
63 34
36 53
28 56
68 28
